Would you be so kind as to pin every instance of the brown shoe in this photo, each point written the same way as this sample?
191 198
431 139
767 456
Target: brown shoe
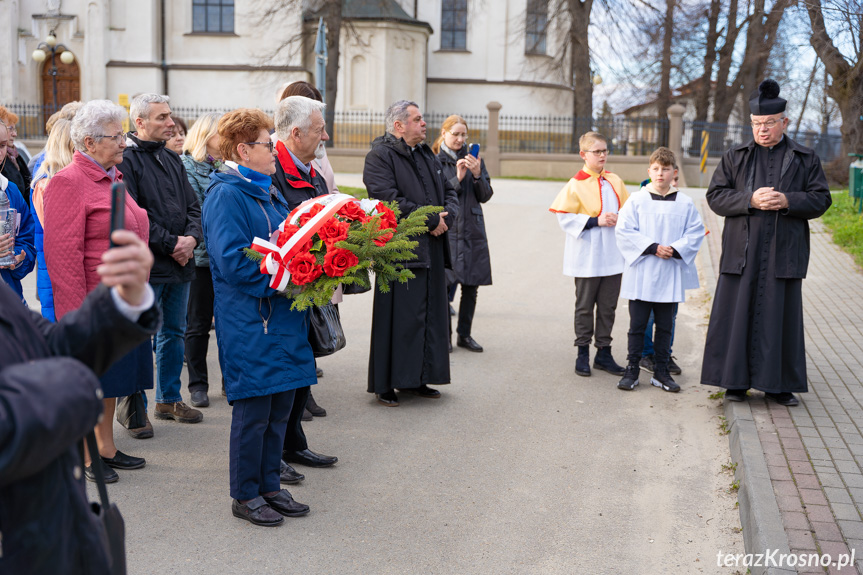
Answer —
178 412
145 432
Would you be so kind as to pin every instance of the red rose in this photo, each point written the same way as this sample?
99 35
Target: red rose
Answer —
353 211
290 230
310 214
334 231
338 260
388 218
304 268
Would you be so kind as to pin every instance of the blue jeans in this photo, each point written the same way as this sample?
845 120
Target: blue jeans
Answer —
173 299
648 334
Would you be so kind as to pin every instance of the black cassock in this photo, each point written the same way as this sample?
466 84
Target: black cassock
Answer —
755 336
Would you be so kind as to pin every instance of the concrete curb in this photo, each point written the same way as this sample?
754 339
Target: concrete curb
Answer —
759 513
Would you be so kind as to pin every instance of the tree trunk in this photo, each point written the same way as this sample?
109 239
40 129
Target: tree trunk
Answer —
664 100
846 88
702 95
582 104
333 20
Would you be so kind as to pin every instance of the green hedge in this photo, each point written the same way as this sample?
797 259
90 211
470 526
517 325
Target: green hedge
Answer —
844 220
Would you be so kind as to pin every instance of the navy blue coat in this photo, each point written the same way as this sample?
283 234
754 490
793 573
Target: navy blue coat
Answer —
263 345
23 241
48 402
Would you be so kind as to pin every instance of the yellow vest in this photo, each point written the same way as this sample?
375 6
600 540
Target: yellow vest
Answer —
582 194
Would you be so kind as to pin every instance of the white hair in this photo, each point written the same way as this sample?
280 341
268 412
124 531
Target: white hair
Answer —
92 119
295 112
398 112
140 106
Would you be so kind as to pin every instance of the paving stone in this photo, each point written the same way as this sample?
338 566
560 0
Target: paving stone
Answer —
834 549
845 512
852 479
807 431
837 495
795 520
776 459
791 503
834 442
841 453
829 479
852 529
816 497
818 453
808 481
779 472
856 494
801 467
787 488
827 532
819 513
800 539
847 466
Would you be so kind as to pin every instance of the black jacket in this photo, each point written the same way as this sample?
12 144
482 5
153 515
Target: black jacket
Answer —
293 187
801 180
391 174
48 402
156 179
471 263
16 171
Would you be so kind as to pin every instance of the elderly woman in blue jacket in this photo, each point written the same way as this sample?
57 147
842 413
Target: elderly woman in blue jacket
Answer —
21 245
264 347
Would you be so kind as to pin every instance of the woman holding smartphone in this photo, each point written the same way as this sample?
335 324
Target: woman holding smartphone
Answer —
471 264
77 224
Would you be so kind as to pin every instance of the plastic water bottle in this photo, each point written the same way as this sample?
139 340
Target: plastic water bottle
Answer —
8 221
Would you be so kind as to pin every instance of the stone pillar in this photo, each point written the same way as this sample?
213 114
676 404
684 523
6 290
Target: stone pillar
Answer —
675 138
492 140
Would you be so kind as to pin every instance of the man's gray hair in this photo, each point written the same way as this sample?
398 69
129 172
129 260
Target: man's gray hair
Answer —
92 120
398 112
140 106
295 112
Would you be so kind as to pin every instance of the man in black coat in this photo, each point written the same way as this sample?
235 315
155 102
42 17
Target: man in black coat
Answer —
50 398
300 129
767 190
410 324
157 180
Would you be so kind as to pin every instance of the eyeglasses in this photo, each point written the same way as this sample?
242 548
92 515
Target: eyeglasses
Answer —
270 146
462 135
118 138
598 152
769 124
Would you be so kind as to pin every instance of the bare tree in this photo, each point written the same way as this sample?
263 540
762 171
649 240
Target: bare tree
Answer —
846 88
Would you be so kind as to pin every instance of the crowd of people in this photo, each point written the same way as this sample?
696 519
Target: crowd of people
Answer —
196 197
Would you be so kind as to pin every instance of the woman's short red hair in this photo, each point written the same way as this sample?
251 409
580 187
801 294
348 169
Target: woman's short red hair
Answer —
239 126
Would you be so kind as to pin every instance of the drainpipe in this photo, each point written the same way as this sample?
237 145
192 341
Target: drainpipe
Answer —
164 64
416 2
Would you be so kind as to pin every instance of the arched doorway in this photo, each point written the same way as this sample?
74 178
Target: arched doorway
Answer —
68 82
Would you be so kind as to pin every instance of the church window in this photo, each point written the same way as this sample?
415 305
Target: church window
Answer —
453 25
213 16
536 26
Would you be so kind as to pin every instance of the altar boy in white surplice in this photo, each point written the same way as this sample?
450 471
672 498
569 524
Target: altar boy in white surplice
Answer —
658 232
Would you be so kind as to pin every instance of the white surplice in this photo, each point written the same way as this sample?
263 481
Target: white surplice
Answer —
591 253
644 221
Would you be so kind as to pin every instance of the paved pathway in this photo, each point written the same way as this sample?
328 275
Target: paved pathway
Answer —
813 452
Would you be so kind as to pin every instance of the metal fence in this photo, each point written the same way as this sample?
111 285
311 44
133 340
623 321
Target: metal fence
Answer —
528 134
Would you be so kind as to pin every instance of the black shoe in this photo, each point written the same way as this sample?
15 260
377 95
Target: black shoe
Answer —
123 461
661 378
422 391
630 378
468 343
309 458
283 503
109 475
673 368
288 474
390 399
307 415
319 372
257 511
648 363
784 398
315 409
199 398
736 395
582 362
605 362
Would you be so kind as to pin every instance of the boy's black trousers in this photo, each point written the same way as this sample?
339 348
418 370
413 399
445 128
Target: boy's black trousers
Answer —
639 314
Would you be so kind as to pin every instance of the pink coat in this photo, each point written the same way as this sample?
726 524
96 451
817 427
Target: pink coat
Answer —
77 207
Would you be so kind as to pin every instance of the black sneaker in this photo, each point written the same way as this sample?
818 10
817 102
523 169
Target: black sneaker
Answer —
673 368
663 379
648 363
629 379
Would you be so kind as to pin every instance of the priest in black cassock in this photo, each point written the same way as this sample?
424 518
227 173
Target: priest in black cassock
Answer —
768 190
410 324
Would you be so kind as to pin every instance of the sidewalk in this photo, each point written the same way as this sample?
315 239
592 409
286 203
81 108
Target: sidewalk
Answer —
801 480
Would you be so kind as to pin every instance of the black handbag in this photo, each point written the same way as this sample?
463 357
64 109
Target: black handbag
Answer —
325 332
113 528
131 412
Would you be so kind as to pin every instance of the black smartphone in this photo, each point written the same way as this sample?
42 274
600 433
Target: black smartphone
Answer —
474 150
118 208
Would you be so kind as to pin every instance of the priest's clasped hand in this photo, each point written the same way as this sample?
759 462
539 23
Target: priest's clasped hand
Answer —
768 199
